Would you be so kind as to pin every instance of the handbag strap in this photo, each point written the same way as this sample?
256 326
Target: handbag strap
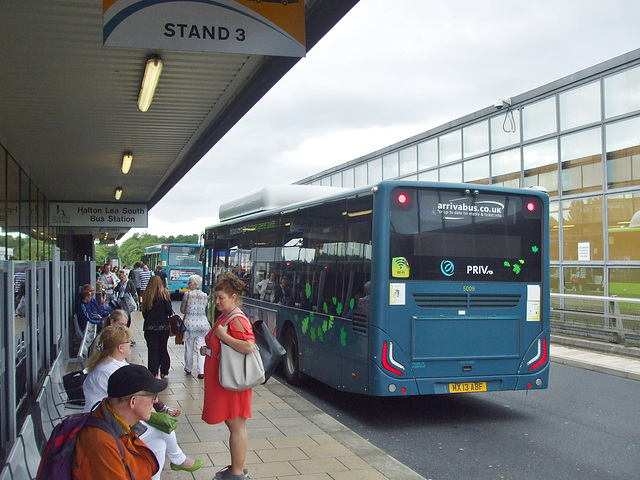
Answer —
231 317
235 315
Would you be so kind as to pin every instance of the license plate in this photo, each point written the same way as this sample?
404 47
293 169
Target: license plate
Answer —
184 289
467 387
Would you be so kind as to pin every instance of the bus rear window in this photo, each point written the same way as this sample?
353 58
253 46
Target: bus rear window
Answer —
465 235
184 256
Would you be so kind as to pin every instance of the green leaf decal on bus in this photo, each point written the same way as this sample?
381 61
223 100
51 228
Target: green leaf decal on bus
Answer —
339 308
325 326
308 290
325 307
305 325
313 334
343 337
320 337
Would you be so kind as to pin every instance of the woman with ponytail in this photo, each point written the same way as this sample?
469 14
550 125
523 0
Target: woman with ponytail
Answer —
110 355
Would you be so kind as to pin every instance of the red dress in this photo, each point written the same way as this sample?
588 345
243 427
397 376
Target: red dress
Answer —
221 404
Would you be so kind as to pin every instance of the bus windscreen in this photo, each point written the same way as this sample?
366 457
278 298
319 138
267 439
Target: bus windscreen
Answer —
452 235
184 256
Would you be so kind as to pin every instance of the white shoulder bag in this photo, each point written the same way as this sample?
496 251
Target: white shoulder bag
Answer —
239 371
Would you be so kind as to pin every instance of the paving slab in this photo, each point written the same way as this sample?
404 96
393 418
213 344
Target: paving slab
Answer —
289 438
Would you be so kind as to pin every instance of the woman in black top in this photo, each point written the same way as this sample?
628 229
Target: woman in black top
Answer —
156 309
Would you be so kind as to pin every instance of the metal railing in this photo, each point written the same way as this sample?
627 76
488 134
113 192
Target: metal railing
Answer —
614 319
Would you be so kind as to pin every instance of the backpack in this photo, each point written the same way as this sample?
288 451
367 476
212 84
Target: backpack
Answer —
57 458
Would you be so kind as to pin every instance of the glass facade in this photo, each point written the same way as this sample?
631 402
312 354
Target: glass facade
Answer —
24 231
579 138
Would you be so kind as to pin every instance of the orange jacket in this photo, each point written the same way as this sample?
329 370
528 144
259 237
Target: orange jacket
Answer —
97 455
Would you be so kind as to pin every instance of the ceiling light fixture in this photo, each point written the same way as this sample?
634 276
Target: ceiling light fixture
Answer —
118 193
149 83
127 160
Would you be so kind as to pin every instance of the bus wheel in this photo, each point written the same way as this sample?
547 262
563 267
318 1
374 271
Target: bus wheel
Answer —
292 358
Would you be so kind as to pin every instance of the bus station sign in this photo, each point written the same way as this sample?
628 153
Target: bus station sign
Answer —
253 27
106 215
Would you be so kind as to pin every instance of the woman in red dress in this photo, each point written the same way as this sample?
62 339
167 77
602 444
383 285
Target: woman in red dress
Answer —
220 404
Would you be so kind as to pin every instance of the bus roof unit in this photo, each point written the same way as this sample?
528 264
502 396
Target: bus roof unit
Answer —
272 197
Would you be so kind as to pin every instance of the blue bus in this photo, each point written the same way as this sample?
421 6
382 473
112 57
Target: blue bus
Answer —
178 260
403 288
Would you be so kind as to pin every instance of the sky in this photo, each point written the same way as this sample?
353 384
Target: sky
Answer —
387 71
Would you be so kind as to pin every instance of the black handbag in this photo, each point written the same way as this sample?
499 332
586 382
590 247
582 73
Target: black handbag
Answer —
176 325
271 351
73 386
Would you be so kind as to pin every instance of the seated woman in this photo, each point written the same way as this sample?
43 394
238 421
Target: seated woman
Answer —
119 317
113 349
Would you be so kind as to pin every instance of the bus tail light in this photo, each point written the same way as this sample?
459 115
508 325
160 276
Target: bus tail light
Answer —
540 357
388 360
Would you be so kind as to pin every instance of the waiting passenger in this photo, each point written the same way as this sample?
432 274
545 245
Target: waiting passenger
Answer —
103 310
194 307
99 294
160 273
135 276
145 276
85 313
111 357
130 394
115 318
156 309
110 281
126 294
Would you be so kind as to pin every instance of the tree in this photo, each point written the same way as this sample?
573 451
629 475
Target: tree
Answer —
132 249
104 252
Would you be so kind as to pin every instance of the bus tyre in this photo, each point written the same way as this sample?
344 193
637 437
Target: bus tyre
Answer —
291 364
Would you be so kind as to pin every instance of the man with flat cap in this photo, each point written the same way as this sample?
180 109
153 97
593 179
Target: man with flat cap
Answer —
132 390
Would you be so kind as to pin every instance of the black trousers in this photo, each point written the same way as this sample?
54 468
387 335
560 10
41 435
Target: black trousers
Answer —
157 350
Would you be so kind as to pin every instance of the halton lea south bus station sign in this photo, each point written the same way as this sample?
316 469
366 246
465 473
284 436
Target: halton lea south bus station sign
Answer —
253 27
69 214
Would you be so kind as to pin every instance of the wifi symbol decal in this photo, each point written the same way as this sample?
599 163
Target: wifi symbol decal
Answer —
399 267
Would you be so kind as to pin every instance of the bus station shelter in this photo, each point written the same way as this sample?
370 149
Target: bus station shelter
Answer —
89 142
